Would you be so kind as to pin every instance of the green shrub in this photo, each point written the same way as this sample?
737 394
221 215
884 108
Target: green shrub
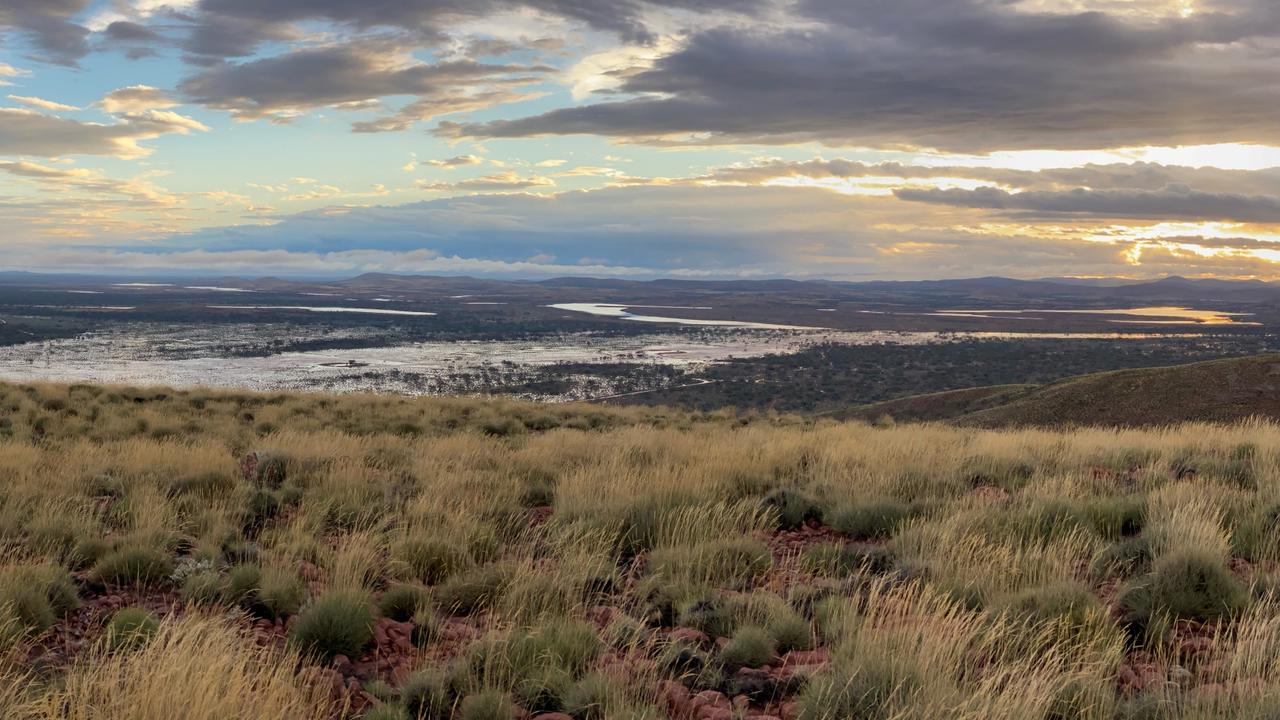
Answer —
791 508
1040 521
207 484
401 602
538 493
427 627
271 472
1123 559
382 690
838 560
242 584
429 560
385 712
1116 518
567 644
1185 585
426 695
544 690
707 614
134 566
339 623
589 698
790 632
280 595
37 596
202 588
751 646
875 520
87 552
263 505
130 628
866 692
487 705
733 561
472 591
1070 601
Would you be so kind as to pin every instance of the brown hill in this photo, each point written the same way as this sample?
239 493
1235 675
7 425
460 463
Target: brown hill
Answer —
1215 391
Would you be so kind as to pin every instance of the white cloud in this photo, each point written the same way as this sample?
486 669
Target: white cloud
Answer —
41 103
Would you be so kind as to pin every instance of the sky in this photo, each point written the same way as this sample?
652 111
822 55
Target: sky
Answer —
700 139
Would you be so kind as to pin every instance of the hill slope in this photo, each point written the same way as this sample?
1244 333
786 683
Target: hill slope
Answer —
1215 391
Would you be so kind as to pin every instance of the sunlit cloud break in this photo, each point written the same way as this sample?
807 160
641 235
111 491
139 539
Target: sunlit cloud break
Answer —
656 138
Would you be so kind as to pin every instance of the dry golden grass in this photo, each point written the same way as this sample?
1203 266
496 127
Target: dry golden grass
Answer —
1019 578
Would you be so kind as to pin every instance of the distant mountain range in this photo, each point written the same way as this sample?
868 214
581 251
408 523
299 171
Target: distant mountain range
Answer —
1029 293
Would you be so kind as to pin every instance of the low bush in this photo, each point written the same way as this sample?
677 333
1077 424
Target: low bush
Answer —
473 590
589 698
1116 518
875 520
242 584
487 705
386 712
401 602
790 632
1185 585
271 471
865 692
203 588
735 561
37 596
426 695
134 566
429 560
792 509
708 614
750 647
131 628
280 594
838 560
1123 559
544 690
1071 602
339 623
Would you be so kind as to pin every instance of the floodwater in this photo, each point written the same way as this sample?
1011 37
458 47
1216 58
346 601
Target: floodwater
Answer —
181 355
622 312
1167 315
304 308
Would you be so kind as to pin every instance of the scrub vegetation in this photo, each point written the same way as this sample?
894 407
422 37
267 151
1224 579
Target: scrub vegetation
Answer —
302 556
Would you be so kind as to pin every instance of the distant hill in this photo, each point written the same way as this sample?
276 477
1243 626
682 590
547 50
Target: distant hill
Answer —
1215 391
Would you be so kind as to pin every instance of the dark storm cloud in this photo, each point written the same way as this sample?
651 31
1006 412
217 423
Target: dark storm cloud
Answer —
1169 203
125 31
49 25
430 17
338 74
965 75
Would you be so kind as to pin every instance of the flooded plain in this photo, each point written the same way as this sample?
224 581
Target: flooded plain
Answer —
239 356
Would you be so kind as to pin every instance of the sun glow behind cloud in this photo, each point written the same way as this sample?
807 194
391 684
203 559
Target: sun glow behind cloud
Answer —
151 125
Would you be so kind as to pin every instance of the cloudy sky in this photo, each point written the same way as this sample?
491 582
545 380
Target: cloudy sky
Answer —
851 139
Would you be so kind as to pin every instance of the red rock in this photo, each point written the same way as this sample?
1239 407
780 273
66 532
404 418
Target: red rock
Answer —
715 713
790 711
552 716
691 636
819 656
713 698
602 615
342 665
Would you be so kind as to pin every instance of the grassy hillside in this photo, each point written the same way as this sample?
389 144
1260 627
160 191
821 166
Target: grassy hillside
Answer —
215 556
1215 391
